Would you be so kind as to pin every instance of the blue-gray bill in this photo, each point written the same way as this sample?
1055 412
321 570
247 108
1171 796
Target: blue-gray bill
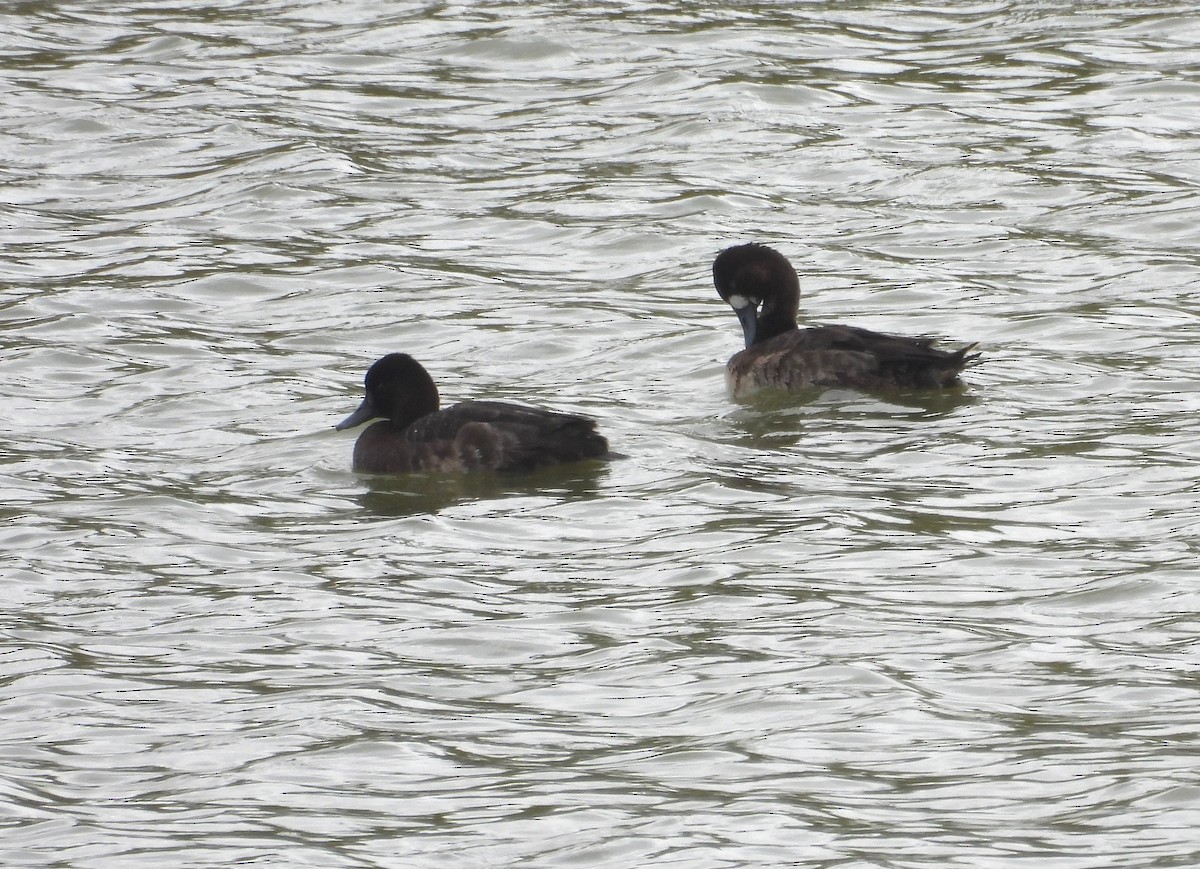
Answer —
365 412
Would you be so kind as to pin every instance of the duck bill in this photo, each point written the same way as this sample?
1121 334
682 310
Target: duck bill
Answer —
365 412
748 316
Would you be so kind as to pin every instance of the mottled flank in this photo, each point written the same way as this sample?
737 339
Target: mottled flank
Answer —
762 287
470 436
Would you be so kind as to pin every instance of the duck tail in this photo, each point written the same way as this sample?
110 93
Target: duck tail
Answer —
961 356
578 439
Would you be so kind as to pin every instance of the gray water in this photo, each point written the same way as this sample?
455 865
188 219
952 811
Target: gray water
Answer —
841 631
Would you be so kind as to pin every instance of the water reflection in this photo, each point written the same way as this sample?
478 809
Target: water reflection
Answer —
415 494
775 418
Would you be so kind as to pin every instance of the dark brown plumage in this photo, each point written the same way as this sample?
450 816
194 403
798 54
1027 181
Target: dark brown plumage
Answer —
762 288
470 436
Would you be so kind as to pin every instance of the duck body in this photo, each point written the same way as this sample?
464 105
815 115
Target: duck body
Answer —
418 436
762 288
827 357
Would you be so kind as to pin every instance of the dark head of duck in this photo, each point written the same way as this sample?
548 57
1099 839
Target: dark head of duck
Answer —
399 389
762 288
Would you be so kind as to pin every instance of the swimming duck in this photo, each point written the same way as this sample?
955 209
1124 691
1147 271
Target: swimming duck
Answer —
414 435
762 288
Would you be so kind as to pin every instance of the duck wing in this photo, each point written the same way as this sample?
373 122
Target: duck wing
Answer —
845 356
498 435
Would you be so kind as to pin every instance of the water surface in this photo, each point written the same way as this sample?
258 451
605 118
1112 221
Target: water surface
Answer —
844 631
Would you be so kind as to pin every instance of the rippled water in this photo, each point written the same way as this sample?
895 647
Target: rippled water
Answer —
841 632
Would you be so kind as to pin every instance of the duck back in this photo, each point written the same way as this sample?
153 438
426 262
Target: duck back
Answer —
846 357
478 435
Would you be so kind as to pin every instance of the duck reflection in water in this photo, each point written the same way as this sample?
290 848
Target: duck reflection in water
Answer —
762 288
414 435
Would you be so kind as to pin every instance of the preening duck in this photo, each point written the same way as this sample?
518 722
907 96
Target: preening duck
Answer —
415 435
761 286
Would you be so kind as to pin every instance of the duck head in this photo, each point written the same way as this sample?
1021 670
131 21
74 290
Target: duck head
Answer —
762 288
399 389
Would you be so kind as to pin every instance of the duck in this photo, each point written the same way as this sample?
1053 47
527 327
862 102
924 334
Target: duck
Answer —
761 286
413 434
